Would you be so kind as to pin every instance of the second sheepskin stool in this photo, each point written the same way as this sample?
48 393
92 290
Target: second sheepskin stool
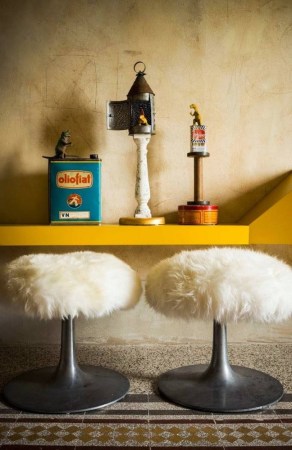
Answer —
64 286
223 285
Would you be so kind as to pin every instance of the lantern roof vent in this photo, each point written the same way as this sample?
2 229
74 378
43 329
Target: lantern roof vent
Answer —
140 85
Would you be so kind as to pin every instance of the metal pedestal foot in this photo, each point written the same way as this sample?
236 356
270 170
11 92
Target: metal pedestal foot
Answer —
67 387
220 387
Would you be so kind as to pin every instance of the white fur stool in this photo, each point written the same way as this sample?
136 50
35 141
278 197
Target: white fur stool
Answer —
65 286
221 284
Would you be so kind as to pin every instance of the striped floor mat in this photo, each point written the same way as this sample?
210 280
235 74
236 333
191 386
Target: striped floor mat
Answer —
145 421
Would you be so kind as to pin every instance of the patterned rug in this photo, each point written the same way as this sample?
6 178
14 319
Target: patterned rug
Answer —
145 421
142 420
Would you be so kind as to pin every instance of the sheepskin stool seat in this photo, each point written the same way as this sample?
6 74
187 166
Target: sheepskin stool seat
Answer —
222 284
65 286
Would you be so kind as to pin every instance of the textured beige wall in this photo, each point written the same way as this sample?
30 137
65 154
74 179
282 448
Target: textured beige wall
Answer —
61 60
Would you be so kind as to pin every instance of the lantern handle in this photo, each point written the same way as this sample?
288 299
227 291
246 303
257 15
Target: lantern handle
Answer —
140 71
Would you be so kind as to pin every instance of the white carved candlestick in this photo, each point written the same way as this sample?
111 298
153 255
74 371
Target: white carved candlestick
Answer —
142 188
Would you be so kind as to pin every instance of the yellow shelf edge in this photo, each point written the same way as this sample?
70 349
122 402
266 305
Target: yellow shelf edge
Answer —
269 222
122 235
274 226
280 191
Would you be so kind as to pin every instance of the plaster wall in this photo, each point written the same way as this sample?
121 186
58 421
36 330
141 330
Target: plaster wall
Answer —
62 60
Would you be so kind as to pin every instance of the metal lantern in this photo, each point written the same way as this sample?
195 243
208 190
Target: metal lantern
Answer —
137 113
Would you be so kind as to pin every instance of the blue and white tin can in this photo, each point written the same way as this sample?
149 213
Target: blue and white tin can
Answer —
198 138
75 190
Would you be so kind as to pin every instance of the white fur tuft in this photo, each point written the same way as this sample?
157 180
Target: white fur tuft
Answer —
58 285
224 284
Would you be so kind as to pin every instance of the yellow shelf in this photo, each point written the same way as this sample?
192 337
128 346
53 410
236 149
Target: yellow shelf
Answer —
82 235
268 222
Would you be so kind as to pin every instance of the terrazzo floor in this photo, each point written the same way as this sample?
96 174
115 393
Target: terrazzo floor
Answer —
143 420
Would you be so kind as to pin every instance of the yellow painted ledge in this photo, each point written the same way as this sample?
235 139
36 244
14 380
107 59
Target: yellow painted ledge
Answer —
83 235
270 220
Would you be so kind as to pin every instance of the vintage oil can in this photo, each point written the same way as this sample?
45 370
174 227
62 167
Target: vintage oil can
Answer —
75 190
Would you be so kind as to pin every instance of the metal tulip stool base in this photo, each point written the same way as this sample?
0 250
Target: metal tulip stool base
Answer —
220 387
67 387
